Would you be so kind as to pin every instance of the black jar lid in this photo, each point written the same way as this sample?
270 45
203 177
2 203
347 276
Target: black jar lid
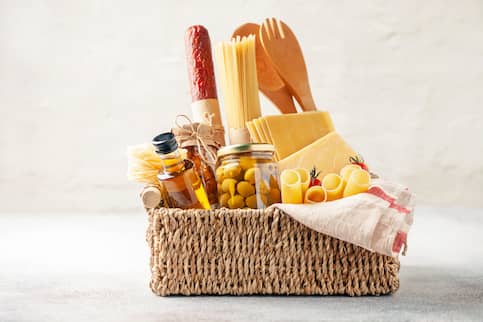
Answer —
165 143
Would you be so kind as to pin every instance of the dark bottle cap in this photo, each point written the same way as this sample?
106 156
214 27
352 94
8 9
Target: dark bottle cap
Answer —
165 143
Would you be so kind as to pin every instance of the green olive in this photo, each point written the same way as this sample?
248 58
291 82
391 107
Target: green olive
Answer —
263 187
274 196
224 199
236 202
273 182
247 163
250 175
228 185
240 176
264 200
245 189
251 201
220 174
231 171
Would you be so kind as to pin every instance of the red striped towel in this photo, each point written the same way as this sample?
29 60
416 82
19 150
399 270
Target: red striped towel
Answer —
378 220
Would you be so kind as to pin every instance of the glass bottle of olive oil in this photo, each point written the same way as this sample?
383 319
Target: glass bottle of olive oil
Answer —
178 177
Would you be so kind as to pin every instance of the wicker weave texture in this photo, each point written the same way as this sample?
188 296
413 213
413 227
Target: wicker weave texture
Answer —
241 252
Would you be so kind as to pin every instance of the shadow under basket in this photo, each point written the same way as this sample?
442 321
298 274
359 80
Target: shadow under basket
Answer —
244 251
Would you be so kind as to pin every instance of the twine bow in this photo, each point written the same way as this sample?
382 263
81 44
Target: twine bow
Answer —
199 135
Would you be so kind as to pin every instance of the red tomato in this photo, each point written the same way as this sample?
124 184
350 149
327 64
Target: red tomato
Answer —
358 160
315 182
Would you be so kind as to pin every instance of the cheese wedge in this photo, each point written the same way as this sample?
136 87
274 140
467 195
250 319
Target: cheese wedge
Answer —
329 154
292 132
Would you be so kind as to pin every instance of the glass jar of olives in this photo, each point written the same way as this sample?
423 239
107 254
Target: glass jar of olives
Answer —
247 176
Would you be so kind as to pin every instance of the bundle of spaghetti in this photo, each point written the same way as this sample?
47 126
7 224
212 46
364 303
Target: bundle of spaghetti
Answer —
236 64
143 164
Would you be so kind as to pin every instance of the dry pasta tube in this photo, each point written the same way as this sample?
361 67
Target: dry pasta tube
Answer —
304 179
346 171
291 187
334 186
358 182
315 194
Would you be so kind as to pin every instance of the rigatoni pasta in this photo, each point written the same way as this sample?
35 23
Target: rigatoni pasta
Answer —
334 186
359 181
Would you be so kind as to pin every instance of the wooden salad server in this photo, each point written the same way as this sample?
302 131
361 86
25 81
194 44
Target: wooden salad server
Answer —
284 50
269 82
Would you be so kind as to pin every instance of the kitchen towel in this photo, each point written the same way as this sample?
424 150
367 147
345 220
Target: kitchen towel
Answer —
378 220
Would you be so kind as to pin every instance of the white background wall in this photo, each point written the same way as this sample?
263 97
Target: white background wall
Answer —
81 80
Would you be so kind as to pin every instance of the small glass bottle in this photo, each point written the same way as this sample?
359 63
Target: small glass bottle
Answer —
205 172
182 184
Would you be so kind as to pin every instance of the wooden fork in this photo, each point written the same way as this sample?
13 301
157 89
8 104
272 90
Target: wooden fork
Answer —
282 47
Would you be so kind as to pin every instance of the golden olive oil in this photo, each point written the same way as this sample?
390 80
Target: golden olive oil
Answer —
183 185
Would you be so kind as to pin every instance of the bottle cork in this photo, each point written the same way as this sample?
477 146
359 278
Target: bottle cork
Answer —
151 197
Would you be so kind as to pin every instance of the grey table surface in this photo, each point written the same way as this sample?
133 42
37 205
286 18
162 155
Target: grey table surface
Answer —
94 267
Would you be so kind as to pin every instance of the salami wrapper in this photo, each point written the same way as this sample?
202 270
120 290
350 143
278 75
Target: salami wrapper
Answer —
201 75
206 111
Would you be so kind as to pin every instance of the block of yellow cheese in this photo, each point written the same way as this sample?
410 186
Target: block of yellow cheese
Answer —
265 131
292 132
329 154
253 132
263 136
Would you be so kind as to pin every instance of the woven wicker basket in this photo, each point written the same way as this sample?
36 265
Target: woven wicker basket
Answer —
241 252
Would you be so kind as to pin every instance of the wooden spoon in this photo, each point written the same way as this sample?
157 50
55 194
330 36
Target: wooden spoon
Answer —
282 47
269 83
